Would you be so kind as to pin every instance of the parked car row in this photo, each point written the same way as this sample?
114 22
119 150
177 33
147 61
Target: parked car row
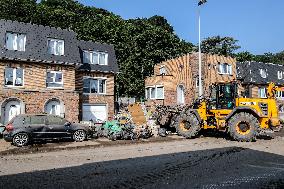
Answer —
26 128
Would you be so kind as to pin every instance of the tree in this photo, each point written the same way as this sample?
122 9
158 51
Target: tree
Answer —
279 57
266 58
19 10
244 56
219 45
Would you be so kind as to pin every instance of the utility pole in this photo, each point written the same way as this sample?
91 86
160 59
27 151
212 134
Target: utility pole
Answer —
200 88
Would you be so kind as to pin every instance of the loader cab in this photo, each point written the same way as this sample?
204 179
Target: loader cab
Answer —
223 96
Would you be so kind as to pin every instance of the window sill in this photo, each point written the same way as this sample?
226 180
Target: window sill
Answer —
95 64
225 74
98 94
14 87
58 88
15 50
57 54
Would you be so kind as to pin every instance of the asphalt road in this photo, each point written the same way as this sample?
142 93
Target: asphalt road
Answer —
195 163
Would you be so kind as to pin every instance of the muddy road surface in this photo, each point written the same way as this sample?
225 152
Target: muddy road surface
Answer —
195 163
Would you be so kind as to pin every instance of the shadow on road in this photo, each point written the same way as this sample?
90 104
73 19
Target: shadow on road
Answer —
232 167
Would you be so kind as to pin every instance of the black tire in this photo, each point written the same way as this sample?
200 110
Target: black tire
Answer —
79 135
243 127
21 139
187 125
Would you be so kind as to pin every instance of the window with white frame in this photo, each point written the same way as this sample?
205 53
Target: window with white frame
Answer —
262 92
94 85
225 68
280 94
159 92
93 57
280 74
54 79
155 92
162 70
263 73
14 77
55 46
15 41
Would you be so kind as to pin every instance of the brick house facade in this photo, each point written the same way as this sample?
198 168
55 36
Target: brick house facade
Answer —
47 70
176 81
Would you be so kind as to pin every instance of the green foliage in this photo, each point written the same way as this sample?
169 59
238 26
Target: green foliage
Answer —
277 58
244 56
20 10
219 45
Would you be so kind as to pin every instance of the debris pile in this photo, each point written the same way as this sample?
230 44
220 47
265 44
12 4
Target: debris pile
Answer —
130 123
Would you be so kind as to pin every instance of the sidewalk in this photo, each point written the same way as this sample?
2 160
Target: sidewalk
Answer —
7 148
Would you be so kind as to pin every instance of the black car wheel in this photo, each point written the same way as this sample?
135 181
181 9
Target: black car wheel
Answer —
20 139
79 135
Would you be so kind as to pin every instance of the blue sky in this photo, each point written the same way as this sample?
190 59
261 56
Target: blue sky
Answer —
257 24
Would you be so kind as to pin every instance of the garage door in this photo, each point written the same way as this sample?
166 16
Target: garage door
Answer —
94 112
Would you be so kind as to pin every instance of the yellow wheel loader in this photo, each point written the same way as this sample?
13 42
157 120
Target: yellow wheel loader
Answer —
242 118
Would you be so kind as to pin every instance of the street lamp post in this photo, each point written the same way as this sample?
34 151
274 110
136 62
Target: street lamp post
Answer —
200 88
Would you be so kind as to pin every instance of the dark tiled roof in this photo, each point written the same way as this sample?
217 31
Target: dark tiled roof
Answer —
36 46
249 72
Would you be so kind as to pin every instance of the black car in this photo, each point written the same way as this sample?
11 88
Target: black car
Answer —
23 129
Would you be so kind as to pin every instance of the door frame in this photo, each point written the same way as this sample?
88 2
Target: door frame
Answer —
4 103
61 105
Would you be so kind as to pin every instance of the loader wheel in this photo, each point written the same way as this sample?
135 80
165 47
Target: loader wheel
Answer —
243 127
187 125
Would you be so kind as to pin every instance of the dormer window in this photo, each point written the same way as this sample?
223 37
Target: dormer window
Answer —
162 70
263 73
92 57
15 41
225 69
55 46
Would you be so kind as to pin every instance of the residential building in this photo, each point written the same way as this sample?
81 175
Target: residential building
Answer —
255 77
48 70
175 81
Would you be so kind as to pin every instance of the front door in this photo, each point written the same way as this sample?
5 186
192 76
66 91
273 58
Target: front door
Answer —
12 109
53 107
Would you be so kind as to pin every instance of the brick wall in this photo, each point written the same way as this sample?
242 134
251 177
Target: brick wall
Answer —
35 75
184 71
35 101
